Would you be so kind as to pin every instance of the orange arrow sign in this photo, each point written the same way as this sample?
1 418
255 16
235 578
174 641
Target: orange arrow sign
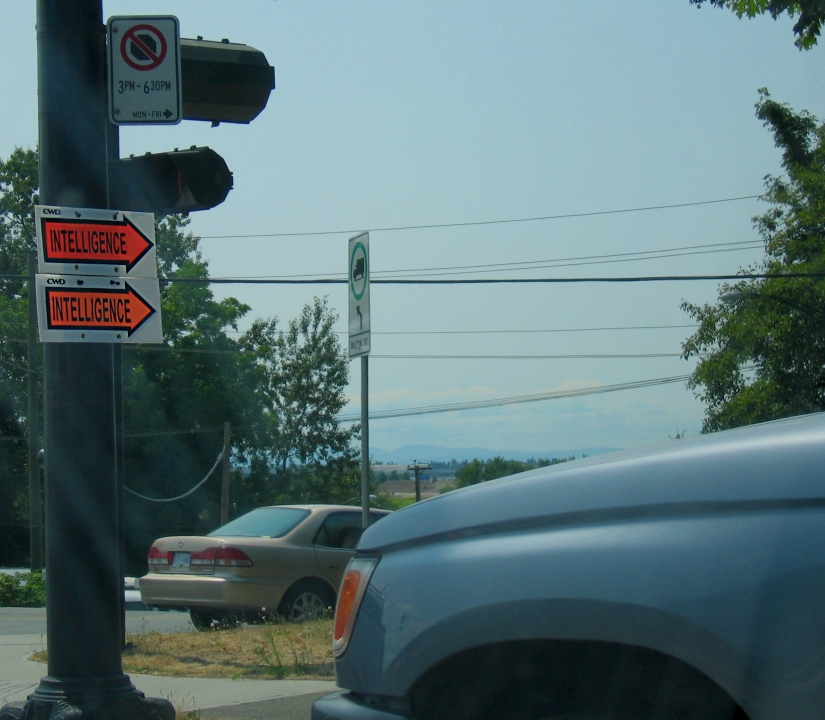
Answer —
98 242
96 309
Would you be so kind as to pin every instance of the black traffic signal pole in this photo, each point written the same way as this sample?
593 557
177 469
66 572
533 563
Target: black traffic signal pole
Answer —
83 584
33 434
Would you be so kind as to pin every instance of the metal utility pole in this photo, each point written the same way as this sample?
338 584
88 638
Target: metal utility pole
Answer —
365 441
227 449
33 424
417 467
84 588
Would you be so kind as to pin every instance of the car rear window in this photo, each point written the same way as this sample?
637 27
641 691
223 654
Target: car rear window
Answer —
263 522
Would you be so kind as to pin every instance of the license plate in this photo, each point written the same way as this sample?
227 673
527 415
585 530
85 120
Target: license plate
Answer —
181 560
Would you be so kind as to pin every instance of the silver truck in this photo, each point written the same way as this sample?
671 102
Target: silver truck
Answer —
684 581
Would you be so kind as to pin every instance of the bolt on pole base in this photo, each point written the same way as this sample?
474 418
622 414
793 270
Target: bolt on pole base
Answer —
114 699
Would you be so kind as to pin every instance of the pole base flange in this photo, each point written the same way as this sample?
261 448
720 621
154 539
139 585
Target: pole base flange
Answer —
112 699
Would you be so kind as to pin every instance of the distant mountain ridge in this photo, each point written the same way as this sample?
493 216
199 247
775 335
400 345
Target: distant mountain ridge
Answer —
437 453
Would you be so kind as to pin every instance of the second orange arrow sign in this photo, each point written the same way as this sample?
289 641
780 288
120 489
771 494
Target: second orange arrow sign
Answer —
96 309
76 308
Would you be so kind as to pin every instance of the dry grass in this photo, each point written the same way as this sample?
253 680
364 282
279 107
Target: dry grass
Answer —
274 650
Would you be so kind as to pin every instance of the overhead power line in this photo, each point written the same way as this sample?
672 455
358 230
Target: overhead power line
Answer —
497 281
635 256
488 222
604 356
555 330
515 400
564 264
601 356
472 405
512 265
488 332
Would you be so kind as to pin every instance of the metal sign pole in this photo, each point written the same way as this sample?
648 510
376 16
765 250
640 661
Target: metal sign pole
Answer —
359 346
365 441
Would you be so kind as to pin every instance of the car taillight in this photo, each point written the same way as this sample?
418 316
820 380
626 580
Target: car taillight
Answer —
157 556
232 557
220 557
205 557
356 579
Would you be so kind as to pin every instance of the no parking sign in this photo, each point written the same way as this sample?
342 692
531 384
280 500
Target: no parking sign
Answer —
144 70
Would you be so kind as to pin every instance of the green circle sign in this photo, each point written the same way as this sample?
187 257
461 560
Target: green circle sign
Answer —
359 268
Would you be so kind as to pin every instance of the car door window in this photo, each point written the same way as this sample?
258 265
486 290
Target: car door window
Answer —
340 531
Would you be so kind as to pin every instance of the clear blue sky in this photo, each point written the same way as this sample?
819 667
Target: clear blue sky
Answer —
396 113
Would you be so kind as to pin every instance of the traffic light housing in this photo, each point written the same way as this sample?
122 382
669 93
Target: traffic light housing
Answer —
223 81
181 181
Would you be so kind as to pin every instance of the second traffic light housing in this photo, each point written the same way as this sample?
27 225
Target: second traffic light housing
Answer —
181 181
224 81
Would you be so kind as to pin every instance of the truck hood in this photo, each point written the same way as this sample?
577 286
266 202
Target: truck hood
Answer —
761 464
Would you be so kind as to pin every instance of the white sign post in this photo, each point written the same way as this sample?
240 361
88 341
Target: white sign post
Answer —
359 295
358 284
144 70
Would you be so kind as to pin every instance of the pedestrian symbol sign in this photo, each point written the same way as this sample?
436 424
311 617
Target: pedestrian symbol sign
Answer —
358 285
144 70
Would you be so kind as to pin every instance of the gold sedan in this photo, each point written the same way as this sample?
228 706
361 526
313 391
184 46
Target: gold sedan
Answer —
286 560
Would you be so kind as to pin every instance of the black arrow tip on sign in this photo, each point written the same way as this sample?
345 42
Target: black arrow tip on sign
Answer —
168 114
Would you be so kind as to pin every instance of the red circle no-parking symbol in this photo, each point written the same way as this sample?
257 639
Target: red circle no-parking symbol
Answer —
143 47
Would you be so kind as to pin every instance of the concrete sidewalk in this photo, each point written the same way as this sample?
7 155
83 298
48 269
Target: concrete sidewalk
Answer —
19 677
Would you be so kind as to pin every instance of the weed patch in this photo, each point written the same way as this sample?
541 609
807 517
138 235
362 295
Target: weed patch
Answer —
275 650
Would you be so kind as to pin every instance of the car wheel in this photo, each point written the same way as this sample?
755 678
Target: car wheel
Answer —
307 601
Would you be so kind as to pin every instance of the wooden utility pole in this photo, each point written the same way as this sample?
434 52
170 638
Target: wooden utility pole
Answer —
417 467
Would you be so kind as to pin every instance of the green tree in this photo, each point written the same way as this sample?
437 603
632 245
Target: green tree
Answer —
18 194
762 353
479 471
810 14
302 454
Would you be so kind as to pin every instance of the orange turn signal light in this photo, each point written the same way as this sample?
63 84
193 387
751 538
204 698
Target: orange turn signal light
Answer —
351 594
346 600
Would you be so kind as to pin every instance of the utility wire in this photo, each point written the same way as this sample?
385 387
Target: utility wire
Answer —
728 245
190 431
550 263
518 399
475 405
179 497
577 264
558 330
20 367
489 222
151 348
617 356
502 267
499 281
486 332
